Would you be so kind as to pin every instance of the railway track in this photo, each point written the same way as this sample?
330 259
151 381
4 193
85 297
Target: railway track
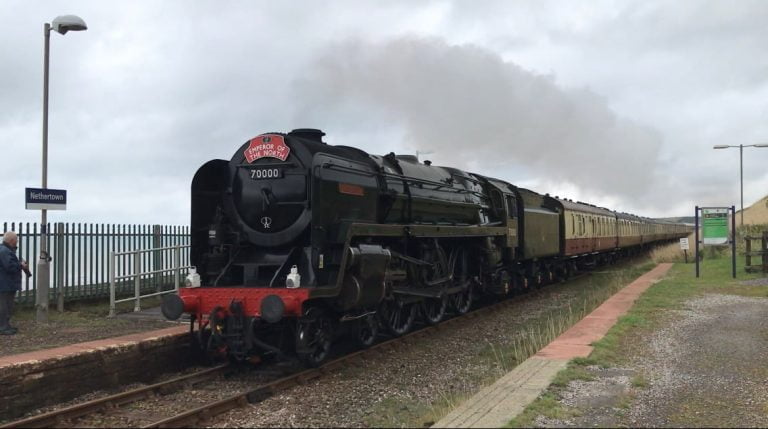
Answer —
207 411
66 415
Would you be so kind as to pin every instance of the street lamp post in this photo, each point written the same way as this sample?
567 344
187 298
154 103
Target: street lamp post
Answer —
60 24
741 168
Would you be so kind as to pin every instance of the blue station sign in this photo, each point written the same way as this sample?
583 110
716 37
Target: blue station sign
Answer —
45 199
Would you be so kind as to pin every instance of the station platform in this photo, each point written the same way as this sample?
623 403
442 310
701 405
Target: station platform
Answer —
32 380
497 404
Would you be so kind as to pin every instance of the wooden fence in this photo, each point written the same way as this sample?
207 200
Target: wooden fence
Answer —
756 246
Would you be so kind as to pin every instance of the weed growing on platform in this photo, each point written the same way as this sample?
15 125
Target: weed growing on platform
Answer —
547 406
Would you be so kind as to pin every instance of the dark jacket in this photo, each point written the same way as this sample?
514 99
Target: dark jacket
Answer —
10 269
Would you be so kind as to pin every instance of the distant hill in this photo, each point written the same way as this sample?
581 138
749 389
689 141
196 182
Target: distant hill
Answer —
755 214
681 219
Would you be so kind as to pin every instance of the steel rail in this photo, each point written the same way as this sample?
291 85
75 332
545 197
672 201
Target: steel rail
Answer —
65 415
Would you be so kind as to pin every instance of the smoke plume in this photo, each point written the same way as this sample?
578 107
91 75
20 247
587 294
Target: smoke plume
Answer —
474 110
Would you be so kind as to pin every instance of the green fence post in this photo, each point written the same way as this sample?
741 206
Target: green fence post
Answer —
58 265
137 279
157 257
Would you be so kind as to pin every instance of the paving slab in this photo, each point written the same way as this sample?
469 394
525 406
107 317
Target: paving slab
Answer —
497 404
89 346
491 406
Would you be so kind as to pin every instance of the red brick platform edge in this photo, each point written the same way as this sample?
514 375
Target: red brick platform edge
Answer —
577 341
88 346
33 380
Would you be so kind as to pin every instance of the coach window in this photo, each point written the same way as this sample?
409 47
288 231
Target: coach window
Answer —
573 224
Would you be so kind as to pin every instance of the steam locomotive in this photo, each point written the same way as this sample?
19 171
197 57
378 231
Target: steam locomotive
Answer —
299 243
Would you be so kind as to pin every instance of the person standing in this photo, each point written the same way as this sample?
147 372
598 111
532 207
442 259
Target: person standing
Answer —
10 280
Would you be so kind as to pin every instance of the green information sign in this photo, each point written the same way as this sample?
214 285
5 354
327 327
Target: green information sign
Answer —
715 226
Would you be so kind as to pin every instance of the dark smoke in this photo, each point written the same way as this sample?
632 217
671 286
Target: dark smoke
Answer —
473 109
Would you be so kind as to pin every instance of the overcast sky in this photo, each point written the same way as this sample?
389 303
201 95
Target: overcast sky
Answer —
613 102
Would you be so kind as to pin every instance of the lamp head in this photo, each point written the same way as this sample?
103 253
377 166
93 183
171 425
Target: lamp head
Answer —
721 146
65 23
761 145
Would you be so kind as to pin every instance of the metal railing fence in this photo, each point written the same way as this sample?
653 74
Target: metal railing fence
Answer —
142 274
81 256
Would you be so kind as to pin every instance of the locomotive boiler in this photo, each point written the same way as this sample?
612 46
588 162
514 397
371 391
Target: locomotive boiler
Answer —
300 243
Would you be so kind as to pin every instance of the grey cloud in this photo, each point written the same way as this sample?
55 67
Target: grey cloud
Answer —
152 90
467 104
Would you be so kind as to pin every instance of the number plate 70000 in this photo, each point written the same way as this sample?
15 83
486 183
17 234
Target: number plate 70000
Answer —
266 173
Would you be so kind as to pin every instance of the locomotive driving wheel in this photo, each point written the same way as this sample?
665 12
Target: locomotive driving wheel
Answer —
397 315
314 335
433 309
366 330
461 301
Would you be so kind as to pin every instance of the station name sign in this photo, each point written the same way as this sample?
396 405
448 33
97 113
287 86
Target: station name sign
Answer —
45 199
715 226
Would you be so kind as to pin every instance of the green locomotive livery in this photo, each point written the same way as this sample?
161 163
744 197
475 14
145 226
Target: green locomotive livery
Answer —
300 243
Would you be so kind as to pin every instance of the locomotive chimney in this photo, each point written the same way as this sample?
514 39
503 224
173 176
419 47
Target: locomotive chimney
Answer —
309 134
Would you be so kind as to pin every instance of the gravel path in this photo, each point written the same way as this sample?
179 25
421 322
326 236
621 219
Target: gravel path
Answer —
707 367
